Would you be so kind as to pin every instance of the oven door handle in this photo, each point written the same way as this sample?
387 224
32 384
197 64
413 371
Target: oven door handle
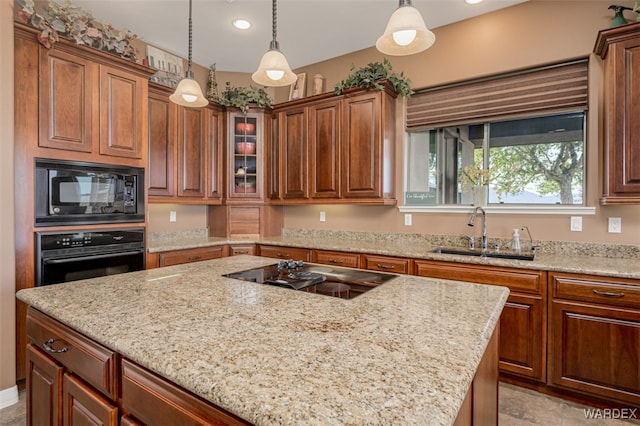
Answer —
97 256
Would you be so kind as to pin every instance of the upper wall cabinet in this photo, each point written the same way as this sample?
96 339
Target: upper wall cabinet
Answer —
336 149
185 151
88 102
619 47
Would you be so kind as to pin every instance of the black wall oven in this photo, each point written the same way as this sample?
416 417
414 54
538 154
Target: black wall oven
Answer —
76 255
80 193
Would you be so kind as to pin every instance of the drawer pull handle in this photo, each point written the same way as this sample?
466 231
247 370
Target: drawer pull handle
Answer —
335 261
194 257
242 252
608 293
48 346
383 266
282 255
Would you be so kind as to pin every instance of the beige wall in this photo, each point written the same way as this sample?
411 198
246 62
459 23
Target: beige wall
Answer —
533 33
7 231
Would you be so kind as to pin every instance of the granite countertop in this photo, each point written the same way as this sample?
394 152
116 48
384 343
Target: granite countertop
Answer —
574 261
403 353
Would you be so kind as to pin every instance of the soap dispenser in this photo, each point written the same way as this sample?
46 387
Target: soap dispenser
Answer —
515 240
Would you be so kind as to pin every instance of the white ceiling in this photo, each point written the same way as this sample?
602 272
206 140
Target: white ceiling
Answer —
309 31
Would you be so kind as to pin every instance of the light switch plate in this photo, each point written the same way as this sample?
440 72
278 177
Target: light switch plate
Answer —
576 223
172 216
407 220
323 217
615 225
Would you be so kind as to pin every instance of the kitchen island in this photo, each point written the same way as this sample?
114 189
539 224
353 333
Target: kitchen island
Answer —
405 352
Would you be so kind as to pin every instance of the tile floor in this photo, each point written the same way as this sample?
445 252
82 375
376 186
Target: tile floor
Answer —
518 407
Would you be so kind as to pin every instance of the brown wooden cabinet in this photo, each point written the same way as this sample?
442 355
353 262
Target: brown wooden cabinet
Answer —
240 249
325 120
336 258
594 336
336 149
619 47
246 138
394 265
523 321
87 104
177 257
294 149
280 252
368 130
185 151
70 379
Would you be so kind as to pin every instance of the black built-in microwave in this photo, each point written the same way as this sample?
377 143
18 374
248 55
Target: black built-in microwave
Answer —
80 193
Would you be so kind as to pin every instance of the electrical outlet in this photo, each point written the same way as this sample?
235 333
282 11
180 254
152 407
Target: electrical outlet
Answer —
576 223
407 219
323 217
615 225
172 216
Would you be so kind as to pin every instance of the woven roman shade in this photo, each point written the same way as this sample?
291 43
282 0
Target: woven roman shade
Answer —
553 88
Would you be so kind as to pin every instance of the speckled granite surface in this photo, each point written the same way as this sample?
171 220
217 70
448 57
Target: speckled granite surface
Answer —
402 353
621 261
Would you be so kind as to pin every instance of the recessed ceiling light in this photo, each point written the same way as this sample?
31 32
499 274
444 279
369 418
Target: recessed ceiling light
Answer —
472 1
241 24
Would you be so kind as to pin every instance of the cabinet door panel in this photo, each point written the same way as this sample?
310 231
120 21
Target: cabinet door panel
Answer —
67 117
162 137
84 406
522 336
361 147
293 136
190 153
324 142
123 104
44 389
595 350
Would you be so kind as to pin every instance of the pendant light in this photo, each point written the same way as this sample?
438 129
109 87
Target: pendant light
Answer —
274 69
406 32
188 93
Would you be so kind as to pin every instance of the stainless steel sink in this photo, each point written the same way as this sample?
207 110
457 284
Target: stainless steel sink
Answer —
485 253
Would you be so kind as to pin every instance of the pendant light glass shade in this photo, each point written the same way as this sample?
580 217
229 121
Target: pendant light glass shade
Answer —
406 32
274 70
188 92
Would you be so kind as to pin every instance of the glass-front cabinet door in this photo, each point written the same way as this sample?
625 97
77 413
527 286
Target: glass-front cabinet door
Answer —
245 155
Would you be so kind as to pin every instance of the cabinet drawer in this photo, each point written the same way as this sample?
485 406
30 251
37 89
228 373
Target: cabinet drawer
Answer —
153 400
191 255
87 359
523 280
286 253
238 249
337 258
601 290
386 264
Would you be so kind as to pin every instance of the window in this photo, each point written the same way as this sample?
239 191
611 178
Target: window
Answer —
537 160
522 134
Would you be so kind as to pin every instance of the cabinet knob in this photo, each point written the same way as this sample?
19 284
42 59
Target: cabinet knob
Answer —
48 346
607 293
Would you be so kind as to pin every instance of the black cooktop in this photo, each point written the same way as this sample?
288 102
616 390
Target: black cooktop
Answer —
300 276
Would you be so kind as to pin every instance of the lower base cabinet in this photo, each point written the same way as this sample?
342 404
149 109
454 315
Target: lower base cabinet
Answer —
594 337
523 322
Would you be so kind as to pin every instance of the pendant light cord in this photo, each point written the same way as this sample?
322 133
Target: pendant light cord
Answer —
189 73
274 19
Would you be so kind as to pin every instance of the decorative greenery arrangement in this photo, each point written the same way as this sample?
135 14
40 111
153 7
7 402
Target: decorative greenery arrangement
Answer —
636 9
242 97
371 76
70 21
473 175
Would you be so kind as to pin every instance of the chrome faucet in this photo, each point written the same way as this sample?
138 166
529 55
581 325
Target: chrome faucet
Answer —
533 248
484 242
